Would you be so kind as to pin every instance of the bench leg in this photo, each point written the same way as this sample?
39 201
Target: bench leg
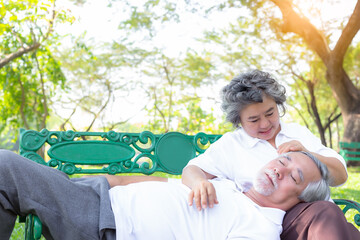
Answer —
33 228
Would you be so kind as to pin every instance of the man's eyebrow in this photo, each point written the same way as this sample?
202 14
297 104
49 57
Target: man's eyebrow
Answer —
301 174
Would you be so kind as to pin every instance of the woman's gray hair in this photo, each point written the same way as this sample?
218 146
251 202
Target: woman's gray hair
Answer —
249 88
319 190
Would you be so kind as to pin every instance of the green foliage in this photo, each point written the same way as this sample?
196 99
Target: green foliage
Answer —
143 16
256 40
172 86
195 119
26 84
93 77
18 232
29 76
311 97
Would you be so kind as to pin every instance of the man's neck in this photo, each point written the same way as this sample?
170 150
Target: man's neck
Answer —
254 197
266 201
261 200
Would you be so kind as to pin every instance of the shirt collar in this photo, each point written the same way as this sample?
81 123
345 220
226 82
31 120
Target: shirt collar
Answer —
248 141
273 214
286 130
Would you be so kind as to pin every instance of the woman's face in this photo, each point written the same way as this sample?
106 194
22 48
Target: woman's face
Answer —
261 120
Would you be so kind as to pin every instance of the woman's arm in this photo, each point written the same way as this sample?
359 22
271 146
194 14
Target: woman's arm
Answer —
202 191
337 170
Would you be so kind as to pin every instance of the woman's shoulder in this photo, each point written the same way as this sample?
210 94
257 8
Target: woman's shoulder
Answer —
293 127
296 130
236 134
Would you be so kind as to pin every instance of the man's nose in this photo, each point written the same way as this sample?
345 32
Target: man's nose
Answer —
280 172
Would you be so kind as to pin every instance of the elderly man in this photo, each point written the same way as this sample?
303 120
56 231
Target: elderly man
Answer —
86 209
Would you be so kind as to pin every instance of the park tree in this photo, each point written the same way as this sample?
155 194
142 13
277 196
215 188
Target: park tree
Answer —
319 41
346 93
287 19
27 25
95 80
311 93
309 96
29 73
173 85
169 83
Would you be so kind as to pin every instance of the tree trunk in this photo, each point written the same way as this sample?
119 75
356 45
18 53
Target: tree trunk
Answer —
345 92
348 98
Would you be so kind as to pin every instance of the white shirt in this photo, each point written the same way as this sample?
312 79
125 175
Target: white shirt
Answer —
159 210
238 156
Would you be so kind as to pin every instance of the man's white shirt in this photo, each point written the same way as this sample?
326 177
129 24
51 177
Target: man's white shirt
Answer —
160 210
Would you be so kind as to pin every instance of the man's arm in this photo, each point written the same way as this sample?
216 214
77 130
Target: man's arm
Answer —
202 191
337 170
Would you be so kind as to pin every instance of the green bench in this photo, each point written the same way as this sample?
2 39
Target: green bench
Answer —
350 151
117 153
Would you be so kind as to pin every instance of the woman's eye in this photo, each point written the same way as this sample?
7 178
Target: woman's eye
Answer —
269 114
294 179
281 163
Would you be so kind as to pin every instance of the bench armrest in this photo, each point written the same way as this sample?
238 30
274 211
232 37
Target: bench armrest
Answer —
349 204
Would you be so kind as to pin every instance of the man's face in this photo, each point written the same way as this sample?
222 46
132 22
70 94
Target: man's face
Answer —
283 179
261 120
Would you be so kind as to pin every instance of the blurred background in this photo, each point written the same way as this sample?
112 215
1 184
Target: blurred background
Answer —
159 65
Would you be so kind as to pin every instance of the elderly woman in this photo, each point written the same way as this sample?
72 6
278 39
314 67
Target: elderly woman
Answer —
252 100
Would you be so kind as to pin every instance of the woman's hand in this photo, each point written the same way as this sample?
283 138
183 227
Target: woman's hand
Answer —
204 194
291 147
337 170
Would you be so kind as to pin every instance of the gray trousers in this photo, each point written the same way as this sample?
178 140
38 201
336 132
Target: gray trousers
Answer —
70 209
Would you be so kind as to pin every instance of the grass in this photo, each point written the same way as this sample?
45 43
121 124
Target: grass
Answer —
350 190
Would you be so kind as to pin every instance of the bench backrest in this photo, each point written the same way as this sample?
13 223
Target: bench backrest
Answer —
350 151
113 152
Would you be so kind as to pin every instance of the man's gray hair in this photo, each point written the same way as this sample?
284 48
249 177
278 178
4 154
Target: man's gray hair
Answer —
316 191
249 88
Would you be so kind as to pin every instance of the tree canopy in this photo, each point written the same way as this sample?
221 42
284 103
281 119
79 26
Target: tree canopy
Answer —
51 79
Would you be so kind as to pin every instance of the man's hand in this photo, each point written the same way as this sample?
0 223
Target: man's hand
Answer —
203 194
291 146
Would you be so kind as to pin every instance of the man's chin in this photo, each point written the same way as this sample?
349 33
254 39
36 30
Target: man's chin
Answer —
263 190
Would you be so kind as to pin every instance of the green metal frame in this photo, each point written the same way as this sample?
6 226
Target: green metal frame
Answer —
112 152
350 151
348 205
116 153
